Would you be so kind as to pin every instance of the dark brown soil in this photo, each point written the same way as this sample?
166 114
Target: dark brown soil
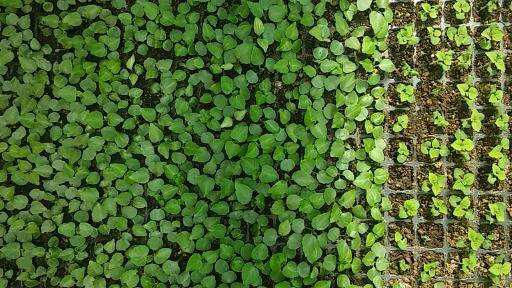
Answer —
401 177
431 235
481 13
425 206
394 258
458 230
404 13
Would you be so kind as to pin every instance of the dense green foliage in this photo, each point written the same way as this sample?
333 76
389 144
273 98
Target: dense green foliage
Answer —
193 143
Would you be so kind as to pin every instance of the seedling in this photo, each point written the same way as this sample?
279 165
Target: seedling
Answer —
463 181
445 59
438 207
429 271
428 11
409 208
459 35
434 149
401 123
476 119
497 212
468 92
462 144
405 92
403 153
439 119
465 57
408 71
461 207
476 239
434 35
461 8
407 35
469 263
436 183
498 59
400 240
502 161
500 269
492 34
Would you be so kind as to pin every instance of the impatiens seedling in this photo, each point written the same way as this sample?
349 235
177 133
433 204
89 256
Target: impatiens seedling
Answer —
499 269
429 10
405 92
407 35
492 34
439 119
409 208
459 35
435 183
438 207
435 36
434 149
401 123
497 58
462 144
400 240
403 153
463 181
469 263
461 207
497 211
462 8
408 71
429 271
445 59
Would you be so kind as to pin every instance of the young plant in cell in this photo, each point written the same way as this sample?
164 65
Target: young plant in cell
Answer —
401 241
459 35
434 35
429 11
438 207
407 35
435 183
463 181
493 34
405 92
401 123
499 167
445 59
434 149
499 269
439 119
502 121
492 6
462 9
497 59
429 271
476 119
408 209
408 71
476 240
403 153
497 212
403 266
461 207
468 92
462 144
496 98
470 263
465 57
